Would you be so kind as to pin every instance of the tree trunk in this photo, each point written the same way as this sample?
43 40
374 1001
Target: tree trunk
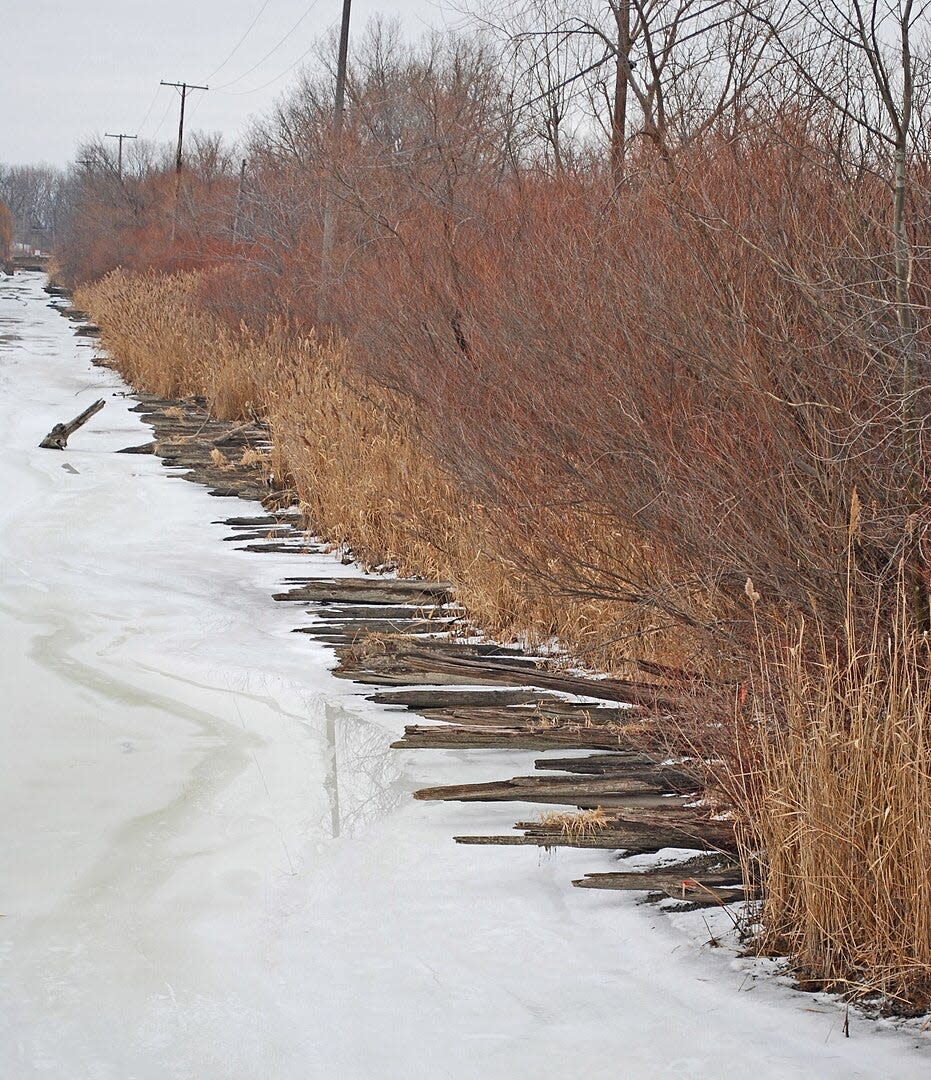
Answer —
57 438
621 85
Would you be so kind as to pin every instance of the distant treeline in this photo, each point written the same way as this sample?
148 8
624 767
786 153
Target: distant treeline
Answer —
38 198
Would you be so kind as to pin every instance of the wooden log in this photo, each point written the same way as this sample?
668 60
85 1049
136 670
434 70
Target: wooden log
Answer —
365 591
572 790
272 533
542 712
708 887
445 737
141 448
347 612
57 438
599 764
633 841
299 547
390 679
439 699
354 629
636 829
626 691
271 520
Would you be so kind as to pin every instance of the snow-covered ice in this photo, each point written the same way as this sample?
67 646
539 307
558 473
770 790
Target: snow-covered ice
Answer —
210 866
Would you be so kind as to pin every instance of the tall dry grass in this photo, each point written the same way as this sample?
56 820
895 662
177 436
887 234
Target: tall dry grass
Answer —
353 451
837 801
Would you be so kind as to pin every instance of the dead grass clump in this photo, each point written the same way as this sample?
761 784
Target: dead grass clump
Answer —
219 459
576 826
256 458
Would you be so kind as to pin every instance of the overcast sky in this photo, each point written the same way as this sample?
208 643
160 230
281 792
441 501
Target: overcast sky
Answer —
71 70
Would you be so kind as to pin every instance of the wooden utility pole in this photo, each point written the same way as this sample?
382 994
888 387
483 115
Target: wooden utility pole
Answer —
621 10
182 88
329 208
121 137
239 193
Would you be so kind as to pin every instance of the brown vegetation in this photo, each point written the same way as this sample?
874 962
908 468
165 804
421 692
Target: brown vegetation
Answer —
663 402
841 789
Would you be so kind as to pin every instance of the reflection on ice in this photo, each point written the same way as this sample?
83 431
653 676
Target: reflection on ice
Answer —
364 779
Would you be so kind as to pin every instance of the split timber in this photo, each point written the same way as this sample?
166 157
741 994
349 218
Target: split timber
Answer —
410 639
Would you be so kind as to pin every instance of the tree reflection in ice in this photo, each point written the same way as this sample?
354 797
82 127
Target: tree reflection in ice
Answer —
363 779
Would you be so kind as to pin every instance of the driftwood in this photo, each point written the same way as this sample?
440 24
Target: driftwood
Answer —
451 699
574 790
502 737
717 886
142 448
57 438
631 837
365 591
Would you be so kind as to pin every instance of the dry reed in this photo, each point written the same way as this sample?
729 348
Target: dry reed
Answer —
837 801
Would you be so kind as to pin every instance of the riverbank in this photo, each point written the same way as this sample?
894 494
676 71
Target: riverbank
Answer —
176 903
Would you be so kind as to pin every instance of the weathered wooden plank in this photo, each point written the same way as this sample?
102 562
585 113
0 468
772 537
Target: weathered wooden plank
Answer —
271 520
444 737
347 612
574 790
599 764
631 841
628 692
544 711
670 823
354 629
294 548
446 699
387 679
272 533
717 886
364 591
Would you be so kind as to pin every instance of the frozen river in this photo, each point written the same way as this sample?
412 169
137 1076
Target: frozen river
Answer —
210 868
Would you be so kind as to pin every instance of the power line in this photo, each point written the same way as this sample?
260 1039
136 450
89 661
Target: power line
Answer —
277 78
161 123
148 113
238 44
272 50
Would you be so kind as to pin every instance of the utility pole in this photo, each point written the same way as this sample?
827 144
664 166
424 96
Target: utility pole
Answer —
121 137
239 193
329 209
182 88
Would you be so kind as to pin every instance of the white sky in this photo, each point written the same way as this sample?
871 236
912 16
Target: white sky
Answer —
71 70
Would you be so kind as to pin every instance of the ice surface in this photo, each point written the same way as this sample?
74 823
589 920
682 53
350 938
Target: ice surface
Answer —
210 868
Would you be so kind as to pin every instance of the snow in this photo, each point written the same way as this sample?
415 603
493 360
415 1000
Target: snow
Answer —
212 869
